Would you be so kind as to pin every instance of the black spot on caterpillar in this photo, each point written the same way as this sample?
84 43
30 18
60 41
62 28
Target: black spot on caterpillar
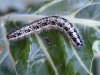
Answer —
47 23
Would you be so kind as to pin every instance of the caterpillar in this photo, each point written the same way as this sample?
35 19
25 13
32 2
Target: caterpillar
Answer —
48 23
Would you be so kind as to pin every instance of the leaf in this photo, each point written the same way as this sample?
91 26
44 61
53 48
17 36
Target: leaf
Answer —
51 53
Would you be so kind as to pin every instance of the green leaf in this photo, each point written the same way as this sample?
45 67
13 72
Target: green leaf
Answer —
50 52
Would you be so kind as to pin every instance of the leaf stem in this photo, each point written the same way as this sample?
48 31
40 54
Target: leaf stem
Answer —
80 61
6 49
46 53
89 4
46 6
31 17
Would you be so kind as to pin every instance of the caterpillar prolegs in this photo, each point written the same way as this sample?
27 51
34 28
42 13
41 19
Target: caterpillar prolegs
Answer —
48 23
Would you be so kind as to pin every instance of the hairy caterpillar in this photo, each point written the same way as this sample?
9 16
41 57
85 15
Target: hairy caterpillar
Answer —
47 23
